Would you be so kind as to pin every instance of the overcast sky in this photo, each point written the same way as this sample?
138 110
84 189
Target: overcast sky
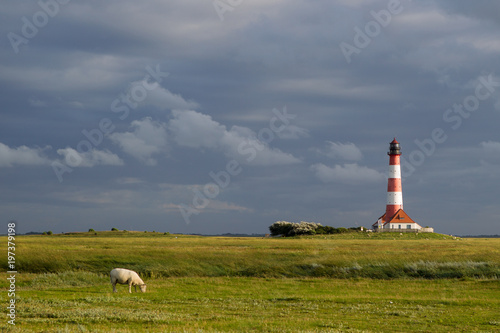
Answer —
226 116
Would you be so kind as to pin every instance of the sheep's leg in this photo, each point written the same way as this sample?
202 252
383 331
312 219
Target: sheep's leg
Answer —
127 282
114 286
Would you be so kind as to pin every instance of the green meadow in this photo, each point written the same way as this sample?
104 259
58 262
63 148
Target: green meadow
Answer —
357 282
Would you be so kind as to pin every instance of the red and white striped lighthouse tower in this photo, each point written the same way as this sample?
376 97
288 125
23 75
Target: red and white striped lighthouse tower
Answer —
395 218
394 192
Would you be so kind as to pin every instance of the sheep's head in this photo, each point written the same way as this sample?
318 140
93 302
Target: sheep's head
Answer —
143 288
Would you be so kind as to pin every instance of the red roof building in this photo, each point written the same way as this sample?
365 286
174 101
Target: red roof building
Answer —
399 222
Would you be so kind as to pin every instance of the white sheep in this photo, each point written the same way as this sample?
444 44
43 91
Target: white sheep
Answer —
126 276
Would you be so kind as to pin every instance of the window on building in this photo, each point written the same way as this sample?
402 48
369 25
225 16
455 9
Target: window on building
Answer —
408 226
399 226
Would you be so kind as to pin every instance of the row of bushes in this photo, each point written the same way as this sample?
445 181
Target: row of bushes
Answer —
289 229
327 230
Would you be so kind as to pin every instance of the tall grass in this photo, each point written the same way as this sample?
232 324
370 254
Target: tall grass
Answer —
158 255
66 279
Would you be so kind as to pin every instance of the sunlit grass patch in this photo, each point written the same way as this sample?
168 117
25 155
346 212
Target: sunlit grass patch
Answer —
67 279
230 304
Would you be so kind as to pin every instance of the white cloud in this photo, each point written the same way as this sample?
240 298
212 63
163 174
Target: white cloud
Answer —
348 173
491 152
149 137
129 181
214 206
497 105
76 105
346 151
492 147
355 3
93 196
144 92
332 87
21 156
78 72
197 130
89 159
221 206
165 99
243 145
293 132
36 102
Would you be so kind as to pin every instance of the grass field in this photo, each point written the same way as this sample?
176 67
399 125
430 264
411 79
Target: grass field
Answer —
376 283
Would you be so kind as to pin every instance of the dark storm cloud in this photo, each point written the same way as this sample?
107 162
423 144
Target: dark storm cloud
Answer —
226 79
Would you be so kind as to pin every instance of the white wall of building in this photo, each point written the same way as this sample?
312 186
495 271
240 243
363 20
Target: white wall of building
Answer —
397 226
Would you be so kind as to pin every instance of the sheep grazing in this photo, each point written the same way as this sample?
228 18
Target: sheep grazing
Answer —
126 276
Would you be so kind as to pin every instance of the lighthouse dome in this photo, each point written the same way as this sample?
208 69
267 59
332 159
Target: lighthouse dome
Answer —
394 148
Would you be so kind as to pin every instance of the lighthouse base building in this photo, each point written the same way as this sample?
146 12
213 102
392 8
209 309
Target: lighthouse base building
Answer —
400 222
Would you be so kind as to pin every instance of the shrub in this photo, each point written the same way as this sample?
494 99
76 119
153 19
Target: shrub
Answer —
326 230
293 229
91 230
114 229
306 228
280 228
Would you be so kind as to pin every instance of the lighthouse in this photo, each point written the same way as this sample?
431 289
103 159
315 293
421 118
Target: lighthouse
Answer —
395 218
394 192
